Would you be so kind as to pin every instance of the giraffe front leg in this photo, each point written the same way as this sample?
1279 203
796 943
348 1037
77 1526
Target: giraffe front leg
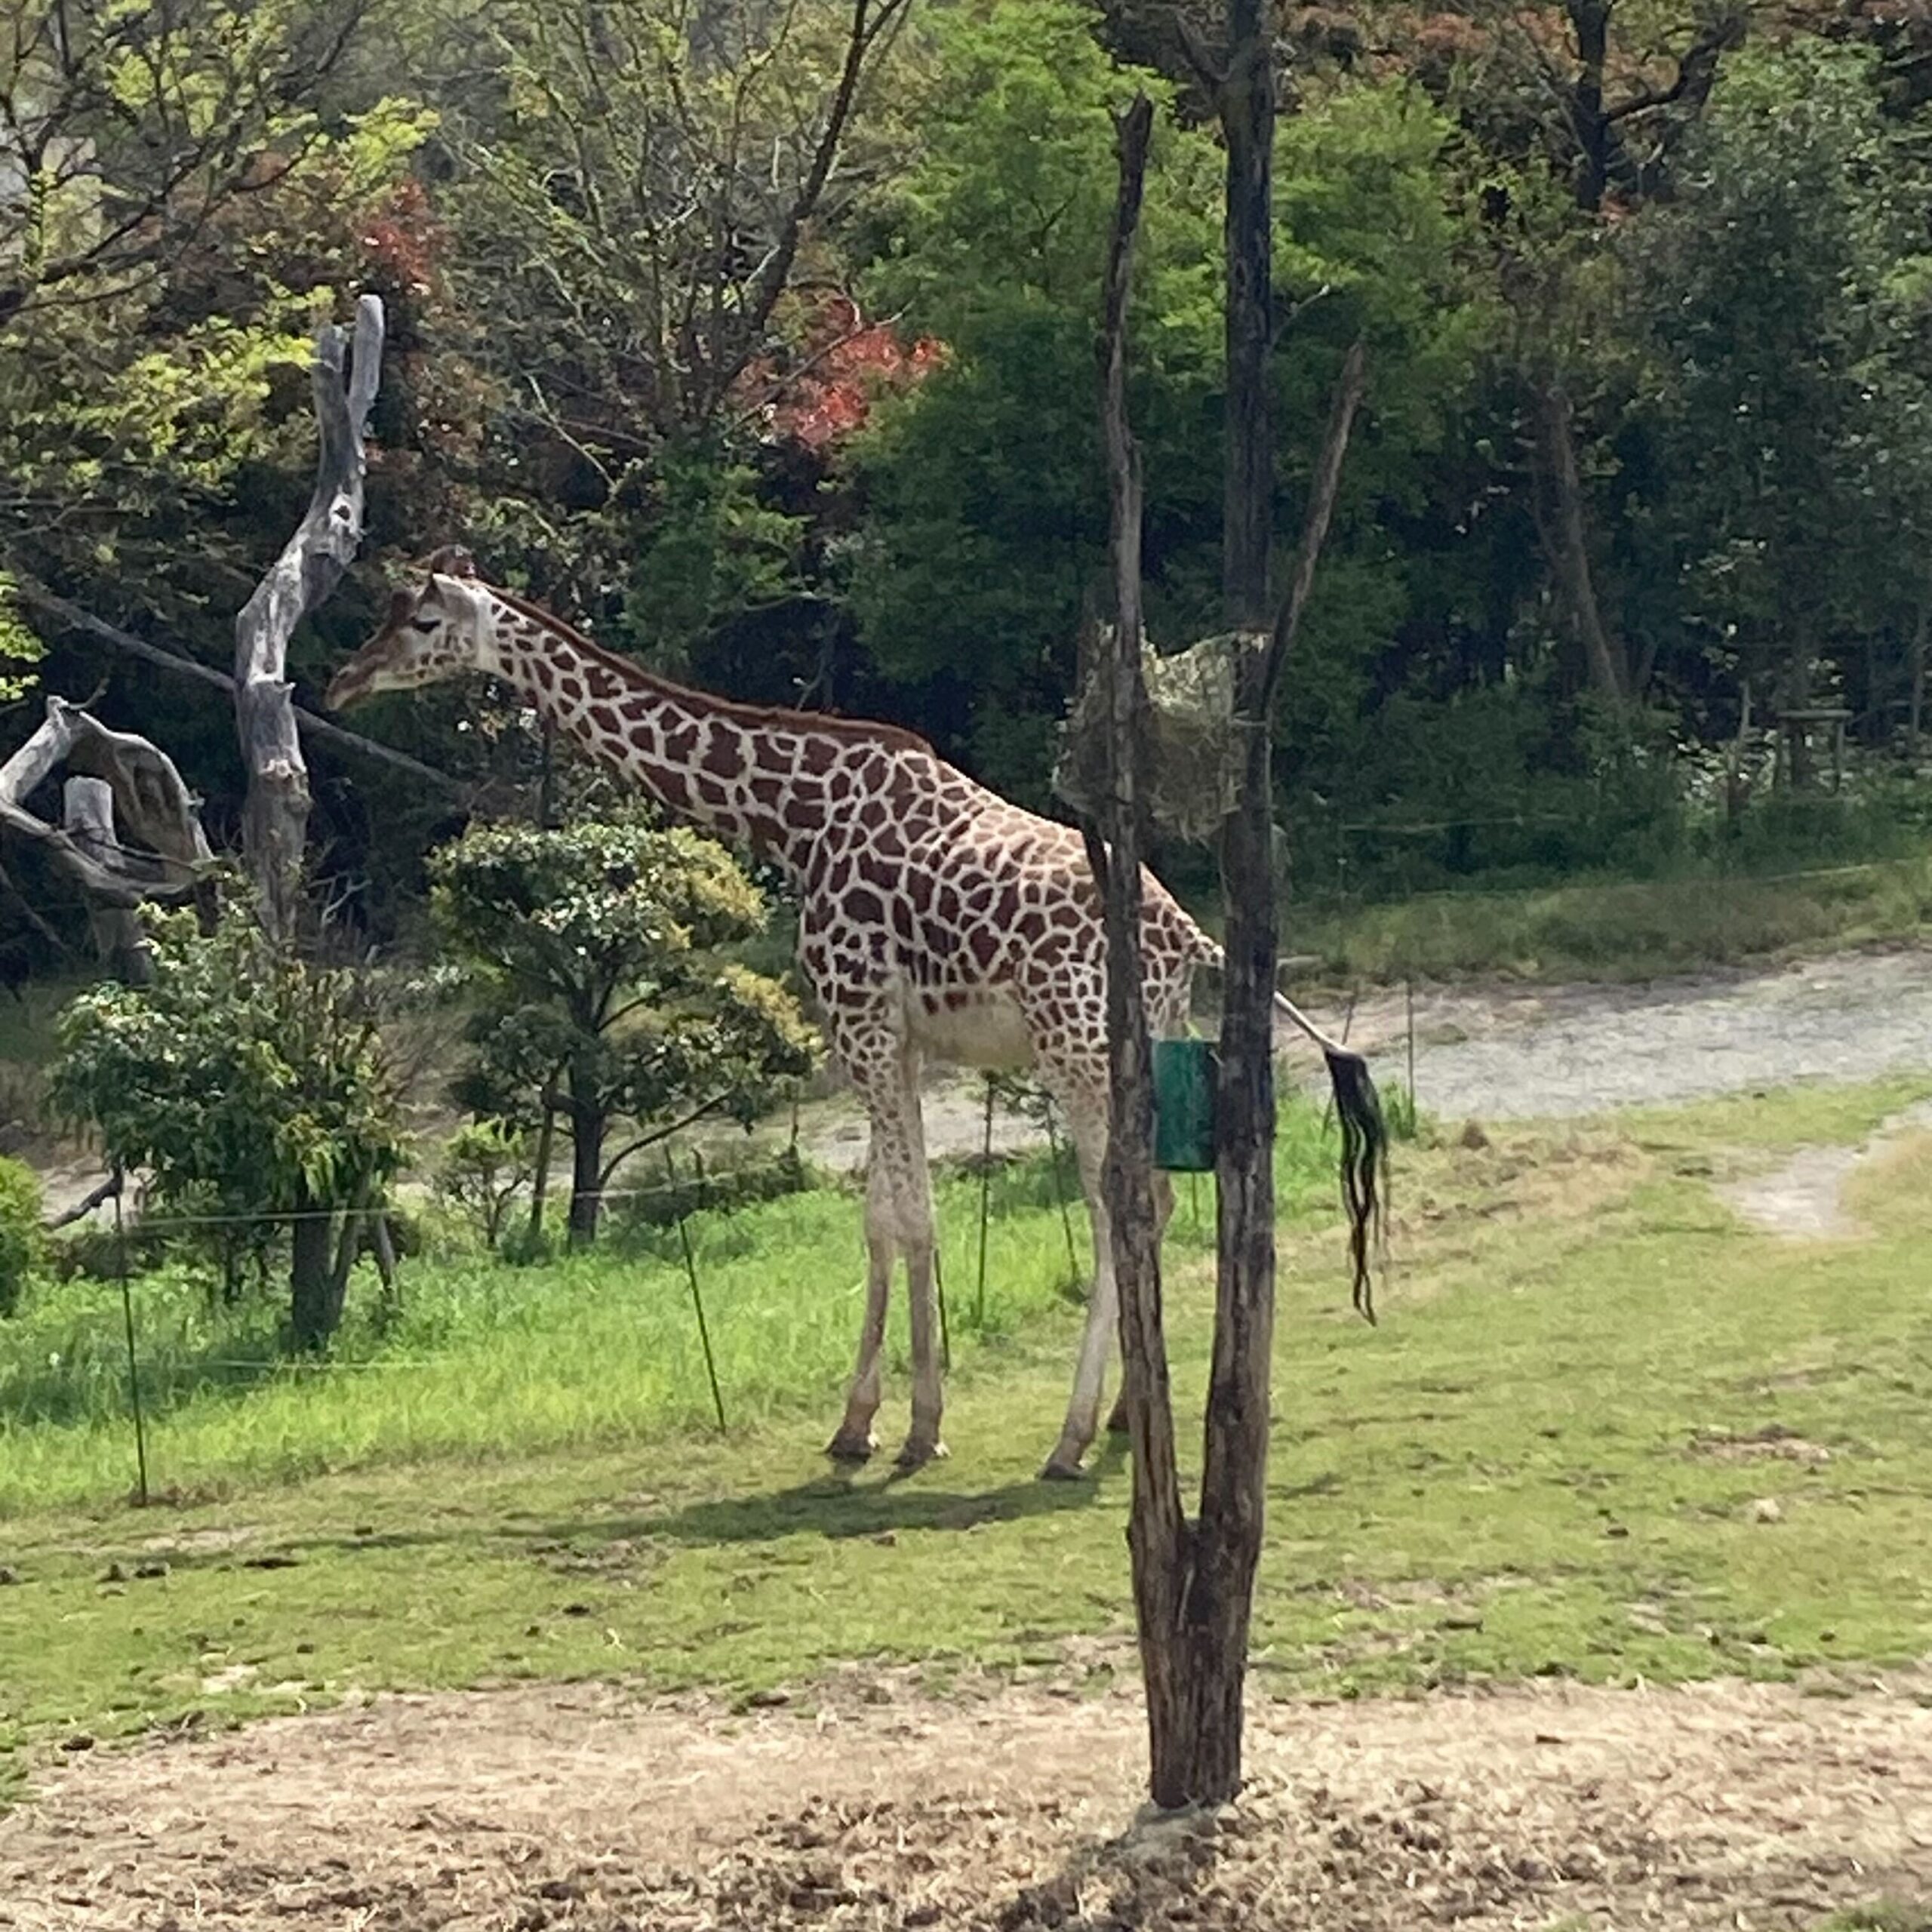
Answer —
1086 1115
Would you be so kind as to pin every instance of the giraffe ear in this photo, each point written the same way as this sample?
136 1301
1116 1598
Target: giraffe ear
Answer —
450 560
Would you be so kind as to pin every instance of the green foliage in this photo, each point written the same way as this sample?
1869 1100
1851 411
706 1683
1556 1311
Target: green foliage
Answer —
21 1242
597 953
985 487
20 649
244 1080
1782 286
483 1166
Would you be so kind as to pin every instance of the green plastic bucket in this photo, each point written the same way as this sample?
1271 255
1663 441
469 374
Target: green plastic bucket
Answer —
1184 1106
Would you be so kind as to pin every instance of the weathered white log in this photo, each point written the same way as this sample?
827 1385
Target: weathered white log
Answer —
275 822
118 936
164 854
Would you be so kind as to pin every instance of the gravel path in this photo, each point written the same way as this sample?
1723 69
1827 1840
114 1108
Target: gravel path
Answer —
1497 1052
1553 1051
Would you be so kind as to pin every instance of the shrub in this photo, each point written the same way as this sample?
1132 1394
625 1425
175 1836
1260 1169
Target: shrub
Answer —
21 1240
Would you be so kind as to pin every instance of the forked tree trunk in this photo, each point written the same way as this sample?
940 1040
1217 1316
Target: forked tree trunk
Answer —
1194 1583
1158 1533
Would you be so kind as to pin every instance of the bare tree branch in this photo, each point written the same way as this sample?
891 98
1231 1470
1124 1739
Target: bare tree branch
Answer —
323 730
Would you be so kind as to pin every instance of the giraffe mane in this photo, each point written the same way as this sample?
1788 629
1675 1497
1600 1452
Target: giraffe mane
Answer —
753 717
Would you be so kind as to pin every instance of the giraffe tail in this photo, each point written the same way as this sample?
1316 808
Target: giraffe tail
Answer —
1364 1138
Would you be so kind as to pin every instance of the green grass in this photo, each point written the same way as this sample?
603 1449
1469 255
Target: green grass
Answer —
1544 1461
1631 929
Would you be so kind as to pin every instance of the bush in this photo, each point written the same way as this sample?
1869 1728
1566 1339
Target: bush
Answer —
20 1237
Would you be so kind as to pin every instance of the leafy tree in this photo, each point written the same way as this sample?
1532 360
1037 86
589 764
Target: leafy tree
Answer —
595 951
1787 293
249 1084
485 1166
985 516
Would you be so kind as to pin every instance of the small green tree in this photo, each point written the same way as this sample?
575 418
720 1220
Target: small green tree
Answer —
595 949
485 1165
247 1081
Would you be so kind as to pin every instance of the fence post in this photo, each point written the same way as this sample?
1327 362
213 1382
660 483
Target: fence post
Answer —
985 1202
1059 1191
133 1368
690 1272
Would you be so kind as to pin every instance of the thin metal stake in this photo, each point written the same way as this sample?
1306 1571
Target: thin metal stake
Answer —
133 1370
691 1271
985 1202
1409 986
1059 1192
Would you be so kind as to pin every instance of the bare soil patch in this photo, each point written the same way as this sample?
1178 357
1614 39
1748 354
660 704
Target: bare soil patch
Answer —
580 1810
1804 1198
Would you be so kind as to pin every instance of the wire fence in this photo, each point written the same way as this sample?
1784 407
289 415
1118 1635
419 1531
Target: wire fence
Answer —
682 1195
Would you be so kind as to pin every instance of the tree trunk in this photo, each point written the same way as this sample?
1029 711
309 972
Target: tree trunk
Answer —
1569 544
546 1142
1248 122
1158 1537
274 821
1590 21
587 1130
1915 711
315 1294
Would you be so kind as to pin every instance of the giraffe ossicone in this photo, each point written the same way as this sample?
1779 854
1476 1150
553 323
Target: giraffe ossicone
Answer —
936 922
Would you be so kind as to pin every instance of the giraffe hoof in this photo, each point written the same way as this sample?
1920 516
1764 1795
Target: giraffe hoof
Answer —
847 1447
915 1454
1058 1469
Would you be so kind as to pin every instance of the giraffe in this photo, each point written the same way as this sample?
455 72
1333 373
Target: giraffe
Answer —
936 921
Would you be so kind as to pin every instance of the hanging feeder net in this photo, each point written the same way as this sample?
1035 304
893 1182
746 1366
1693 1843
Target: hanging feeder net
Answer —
1196 749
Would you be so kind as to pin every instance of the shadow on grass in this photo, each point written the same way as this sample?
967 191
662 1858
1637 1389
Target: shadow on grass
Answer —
838 1505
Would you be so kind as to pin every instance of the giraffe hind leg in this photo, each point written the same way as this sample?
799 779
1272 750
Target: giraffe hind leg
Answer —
898 1222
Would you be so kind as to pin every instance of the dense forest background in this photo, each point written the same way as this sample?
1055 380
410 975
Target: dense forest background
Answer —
759 338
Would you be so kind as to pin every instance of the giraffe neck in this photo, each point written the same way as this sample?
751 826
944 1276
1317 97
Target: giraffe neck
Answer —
774 780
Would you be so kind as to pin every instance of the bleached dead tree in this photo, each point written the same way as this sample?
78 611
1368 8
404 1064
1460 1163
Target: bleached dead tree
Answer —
274 824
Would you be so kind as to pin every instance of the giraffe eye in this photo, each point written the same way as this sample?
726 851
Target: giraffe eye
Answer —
425 625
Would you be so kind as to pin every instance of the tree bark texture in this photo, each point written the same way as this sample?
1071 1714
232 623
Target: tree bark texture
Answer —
587 1131
152 801
1248 123
275 822
315 1294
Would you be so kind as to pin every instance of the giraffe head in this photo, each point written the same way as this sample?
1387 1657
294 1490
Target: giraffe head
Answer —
439 628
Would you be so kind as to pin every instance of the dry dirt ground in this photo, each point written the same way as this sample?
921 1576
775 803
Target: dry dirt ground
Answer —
577 1811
